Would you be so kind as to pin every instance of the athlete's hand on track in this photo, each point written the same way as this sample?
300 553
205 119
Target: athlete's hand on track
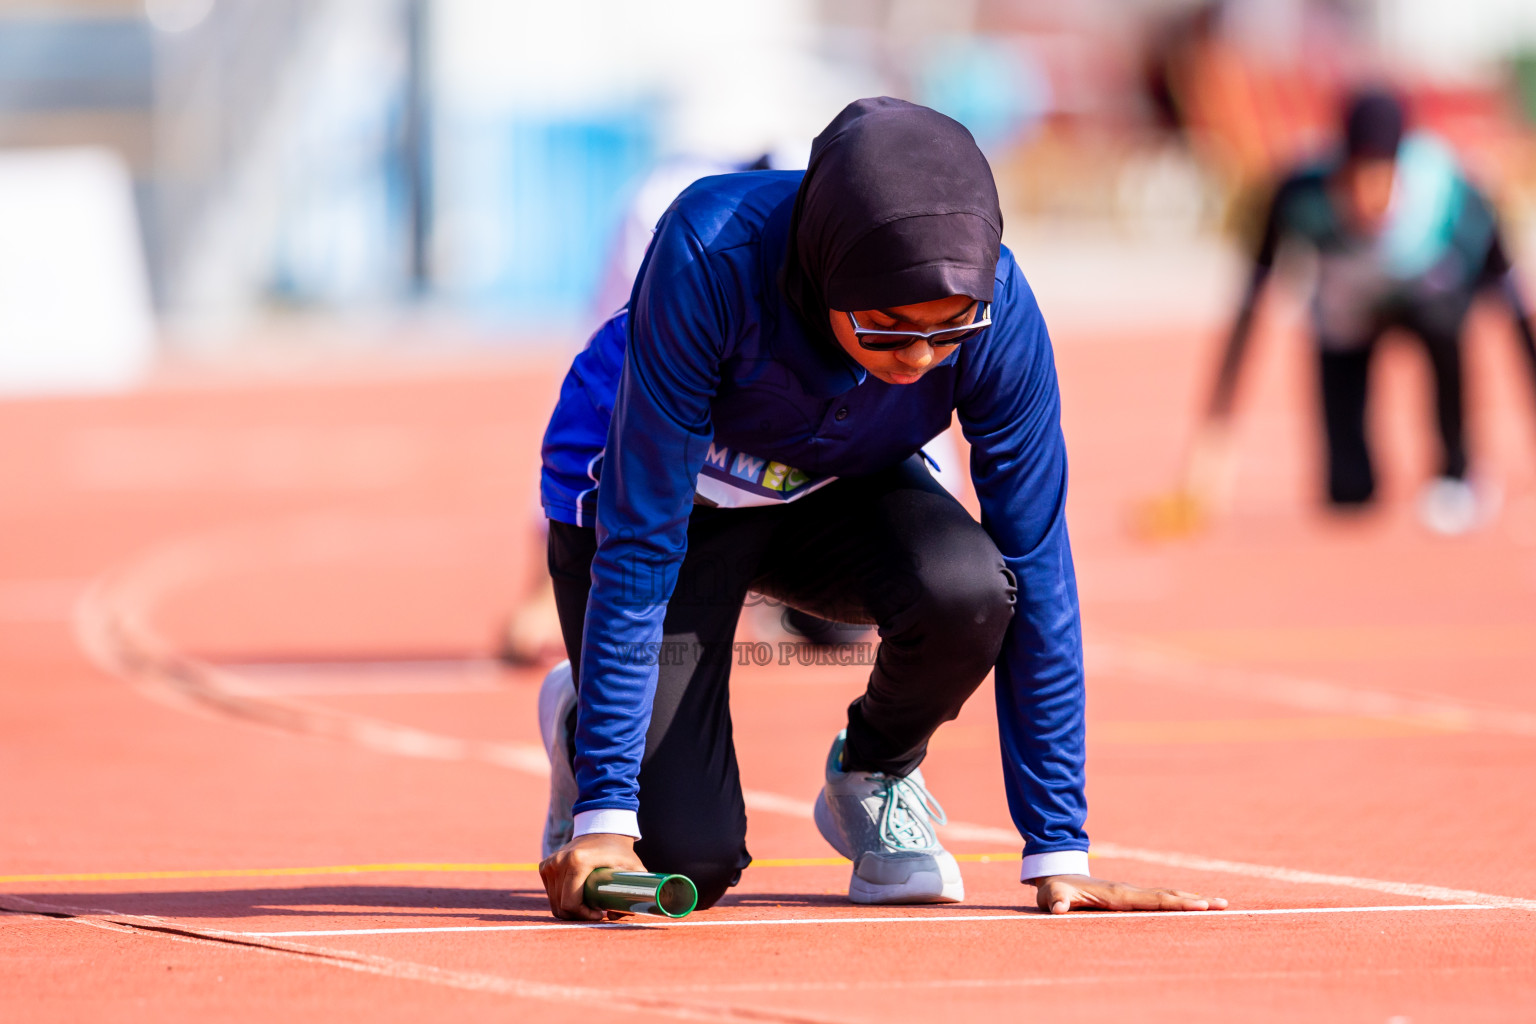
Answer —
1210 468
565 871
1057 894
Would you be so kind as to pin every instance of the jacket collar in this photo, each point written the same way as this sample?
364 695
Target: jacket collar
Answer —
823 371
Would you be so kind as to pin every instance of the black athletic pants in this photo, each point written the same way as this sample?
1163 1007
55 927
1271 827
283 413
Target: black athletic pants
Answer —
894 550
1345 373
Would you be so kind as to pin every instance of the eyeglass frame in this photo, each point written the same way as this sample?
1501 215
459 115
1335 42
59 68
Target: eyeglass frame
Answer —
982 320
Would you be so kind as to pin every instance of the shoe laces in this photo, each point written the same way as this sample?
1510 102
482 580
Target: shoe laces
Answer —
905 804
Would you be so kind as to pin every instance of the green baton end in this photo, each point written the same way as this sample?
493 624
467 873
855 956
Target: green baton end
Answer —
637 892
677 896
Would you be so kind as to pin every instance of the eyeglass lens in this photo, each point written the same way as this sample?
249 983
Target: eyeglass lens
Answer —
886 341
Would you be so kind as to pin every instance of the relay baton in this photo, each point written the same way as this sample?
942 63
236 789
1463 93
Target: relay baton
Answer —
636 892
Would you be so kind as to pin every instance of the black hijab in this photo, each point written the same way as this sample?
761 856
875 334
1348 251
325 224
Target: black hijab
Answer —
897 206
1373 125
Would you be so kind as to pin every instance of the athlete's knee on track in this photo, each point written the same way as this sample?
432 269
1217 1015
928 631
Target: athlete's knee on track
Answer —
713 883
967 600
712 865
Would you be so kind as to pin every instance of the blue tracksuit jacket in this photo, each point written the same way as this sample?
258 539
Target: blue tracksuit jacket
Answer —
707 383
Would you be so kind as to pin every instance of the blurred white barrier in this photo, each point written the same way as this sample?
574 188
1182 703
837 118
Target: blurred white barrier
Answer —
75 311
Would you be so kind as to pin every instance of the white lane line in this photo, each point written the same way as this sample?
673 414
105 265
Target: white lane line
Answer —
111 624
1150 664
110 629
986 834
1203 979
387 967
1235 867
1194 862
916 919
362 677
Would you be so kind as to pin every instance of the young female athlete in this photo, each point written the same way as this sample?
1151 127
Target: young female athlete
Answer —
751 421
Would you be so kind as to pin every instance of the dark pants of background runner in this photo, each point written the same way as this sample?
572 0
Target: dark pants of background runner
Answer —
894 550
1345 375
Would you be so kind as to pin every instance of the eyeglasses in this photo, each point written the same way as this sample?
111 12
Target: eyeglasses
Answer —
890 341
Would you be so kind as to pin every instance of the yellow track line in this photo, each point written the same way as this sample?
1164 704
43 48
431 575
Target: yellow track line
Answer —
334 869
372 869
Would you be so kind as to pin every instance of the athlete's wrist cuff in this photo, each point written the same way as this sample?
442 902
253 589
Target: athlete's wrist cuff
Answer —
613 820
1058 862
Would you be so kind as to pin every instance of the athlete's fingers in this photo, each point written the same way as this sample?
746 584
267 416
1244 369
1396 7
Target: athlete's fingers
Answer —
563 879
1177 899
1068 892
1130 897
1215 902
1055 896
573 878
549 874
565 872
1166 900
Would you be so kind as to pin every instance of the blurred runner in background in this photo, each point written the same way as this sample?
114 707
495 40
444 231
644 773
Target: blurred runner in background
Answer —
1403 240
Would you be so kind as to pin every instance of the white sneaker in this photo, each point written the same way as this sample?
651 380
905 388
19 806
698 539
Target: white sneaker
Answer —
1452 507
885 825
556 697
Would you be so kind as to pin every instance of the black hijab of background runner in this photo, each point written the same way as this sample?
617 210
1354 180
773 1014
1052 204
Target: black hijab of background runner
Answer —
897 206
1374 120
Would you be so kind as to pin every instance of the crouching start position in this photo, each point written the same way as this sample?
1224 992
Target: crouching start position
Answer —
751 421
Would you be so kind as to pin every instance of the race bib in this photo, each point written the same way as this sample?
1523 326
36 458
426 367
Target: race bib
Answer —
733 479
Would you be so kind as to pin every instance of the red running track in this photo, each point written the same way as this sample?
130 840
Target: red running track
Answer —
254 762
